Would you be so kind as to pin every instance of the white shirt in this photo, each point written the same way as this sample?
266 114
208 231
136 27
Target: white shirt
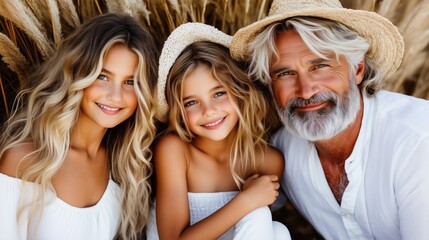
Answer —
388 171
59 220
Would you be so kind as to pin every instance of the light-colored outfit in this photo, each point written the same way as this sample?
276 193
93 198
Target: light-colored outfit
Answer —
59 220
388 171
256 225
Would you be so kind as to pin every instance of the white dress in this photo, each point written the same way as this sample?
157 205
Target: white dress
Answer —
201 205
59 220
255 225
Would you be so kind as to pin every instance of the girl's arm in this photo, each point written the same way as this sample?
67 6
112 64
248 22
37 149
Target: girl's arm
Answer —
172 209
274 163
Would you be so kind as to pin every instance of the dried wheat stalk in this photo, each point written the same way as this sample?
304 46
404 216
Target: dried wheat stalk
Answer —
54 14
24 19
12 57
68 12
31 28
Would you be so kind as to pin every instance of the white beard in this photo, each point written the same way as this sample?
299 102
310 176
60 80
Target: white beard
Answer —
326 122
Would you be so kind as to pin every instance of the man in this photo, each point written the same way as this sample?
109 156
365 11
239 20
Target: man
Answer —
357 157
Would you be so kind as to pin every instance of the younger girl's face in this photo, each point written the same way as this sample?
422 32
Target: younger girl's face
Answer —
111 99
209 111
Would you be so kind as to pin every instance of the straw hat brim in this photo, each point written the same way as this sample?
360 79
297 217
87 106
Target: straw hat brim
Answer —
177 41
386 43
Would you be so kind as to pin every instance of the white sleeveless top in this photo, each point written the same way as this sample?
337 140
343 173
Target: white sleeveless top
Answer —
201 205
59 220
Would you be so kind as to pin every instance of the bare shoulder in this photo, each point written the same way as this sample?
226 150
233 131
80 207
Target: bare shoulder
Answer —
169 139
170 146
273 162
10 161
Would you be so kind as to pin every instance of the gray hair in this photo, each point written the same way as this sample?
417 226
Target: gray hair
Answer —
323 37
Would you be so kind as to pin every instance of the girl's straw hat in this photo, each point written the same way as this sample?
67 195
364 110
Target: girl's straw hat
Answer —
386 43
179 39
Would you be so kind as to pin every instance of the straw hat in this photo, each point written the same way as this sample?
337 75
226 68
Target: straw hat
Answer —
386 43
179 39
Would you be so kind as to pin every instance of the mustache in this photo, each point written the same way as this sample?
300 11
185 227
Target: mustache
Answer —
298 102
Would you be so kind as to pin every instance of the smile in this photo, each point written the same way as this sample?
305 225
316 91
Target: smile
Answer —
311 107
214 123
108 108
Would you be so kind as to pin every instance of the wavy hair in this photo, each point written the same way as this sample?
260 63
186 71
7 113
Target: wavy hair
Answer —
249 145
323 37
47 110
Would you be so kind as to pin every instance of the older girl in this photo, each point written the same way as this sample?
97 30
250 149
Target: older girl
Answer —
75 156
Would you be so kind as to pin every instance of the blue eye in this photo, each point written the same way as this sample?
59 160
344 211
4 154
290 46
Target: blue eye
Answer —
129 82
102 77
190 103
321 65
219 94
283 74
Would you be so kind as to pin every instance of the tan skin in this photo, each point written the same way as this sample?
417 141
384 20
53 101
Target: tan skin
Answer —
84 174
203 166
184 175
334 152
301 73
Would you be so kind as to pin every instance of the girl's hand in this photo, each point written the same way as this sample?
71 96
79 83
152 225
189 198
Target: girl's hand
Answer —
260 191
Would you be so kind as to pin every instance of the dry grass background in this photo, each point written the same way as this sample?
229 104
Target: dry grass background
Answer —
30 31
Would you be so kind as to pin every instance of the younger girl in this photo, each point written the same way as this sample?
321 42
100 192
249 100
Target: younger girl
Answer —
74 161
213 167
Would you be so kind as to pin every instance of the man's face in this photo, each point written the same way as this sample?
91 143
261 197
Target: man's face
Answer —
316 98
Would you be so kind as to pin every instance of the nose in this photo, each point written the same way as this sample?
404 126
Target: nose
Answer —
306 87
209 109
115 92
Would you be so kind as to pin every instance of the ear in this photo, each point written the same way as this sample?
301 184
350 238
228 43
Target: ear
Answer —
360 70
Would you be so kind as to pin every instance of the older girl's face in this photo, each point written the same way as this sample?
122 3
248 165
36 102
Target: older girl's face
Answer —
111 99
208 108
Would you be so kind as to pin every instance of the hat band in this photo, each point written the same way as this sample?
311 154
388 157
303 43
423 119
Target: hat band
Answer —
283 7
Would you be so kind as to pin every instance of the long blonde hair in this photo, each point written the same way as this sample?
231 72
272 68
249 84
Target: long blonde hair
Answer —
47 110
249 145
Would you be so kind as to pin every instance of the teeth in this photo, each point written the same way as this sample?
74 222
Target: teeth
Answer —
215 123
108 108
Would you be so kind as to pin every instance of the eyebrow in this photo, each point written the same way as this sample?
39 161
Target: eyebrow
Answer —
279 70
211 90
285 68
318 60
103 70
